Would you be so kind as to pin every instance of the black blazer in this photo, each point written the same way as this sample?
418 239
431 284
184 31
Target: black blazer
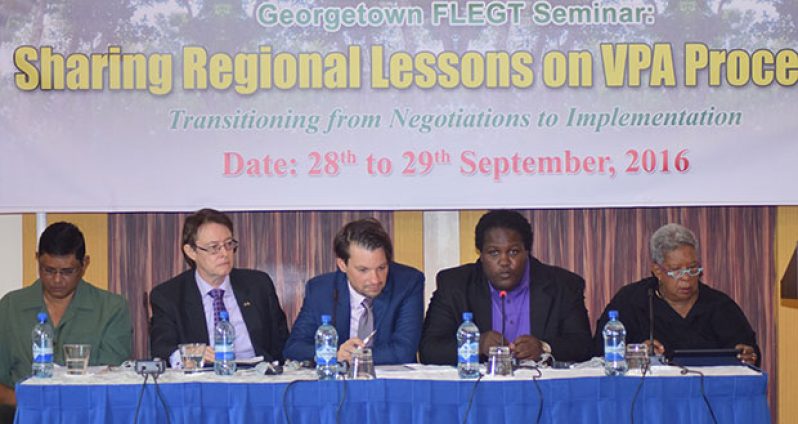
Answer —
557 313
178 316
714 322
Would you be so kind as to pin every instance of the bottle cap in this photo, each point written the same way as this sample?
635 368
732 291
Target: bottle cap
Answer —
325 319
613 314
42 317
467 316
224 315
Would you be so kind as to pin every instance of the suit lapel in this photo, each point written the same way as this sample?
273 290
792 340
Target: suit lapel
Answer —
249 312
479 300
197 328
380 308
540 299
342 310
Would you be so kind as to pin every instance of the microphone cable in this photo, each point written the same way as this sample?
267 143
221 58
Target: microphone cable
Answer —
290 384
645 370
141 395
471 398
340 403
157 392
161 398
700 374
535 379
540 393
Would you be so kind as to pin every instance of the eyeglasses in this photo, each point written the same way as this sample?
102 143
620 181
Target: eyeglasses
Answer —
214 249
681 273
52 272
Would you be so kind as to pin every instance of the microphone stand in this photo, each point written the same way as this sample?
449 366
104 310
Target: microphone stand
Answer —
651 317
503 296
653 359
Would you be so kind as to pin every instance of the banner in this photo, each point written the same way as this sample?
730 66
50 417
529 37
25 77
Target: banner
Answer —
148 105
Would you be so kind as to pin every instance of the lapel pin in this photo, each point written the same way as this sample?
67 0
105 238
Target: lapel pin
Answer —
247 304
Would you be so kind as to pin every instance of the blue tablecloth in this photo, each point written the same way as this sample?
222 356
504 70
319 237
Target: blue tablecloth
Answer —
596 400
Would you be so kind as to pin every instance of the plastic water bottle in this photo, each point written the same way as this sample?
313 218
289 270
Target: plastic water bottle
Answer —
468 348
326 350
42 336
224 334
614 346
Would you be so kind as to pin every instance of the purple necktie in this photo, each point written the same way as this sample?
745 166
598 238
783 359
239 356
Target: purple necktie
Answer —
218 304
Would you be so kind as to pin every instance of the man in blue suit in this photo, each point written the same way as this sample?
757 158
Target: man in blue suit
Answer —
369 295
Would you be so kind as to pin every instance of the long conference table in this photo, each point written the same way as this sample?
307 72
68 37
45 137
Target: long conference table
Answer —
401 394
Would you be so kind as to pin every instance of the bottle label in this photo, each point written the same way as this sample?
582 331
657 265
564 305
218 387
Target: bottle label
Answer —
42 355
326 355
224 352
615 353
468 352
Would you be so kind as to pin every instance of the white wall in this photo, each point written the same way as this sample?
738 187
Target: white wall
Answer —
441 246
10 253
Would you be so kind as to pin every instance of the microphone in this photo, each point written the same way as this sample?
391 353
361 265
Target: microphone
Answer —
335 304
503 296
148 315
651 318
269 368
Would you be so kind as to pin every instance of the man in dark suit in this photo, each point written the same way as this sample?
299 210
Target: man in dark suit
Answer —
186 308
544 308
372 300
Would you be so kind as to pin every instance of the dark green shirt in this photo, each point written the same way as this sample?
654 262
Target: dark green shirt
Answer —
94 316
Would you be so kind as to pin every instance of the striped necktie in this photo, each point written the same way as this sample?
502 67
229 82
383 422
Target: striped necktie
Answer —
366 323
218 304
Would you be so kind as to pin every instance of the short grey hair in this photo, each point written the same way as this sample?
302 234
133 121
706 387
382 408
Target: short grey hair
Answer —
668 238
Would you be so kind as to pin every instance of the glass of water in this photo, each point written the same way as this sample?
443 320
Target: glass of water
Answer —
637 356
362 367
193 356
77 357
500 362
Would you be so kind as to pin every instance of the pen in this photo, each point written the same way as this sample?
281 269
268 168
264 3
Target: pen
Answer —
368 338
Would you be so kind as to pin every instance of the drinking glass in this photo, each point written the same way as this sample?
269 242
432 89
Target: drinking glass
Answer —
77 358
193 357
636 356
499 361
362 367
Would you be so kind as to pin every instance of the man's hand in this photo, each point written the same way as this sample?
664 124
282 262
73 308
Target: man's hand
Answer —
659 349
490 339
746 354
209 355
527 347
346 349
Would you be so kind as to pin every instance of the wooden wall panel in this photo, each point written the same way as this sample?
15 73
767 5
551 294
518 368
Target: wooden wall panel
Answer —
30 270
468 222
408 238
787 236
94 227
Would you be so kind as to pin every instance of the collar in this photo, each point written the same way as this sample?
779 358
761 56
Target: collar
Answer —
205 287
33 297
81 299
